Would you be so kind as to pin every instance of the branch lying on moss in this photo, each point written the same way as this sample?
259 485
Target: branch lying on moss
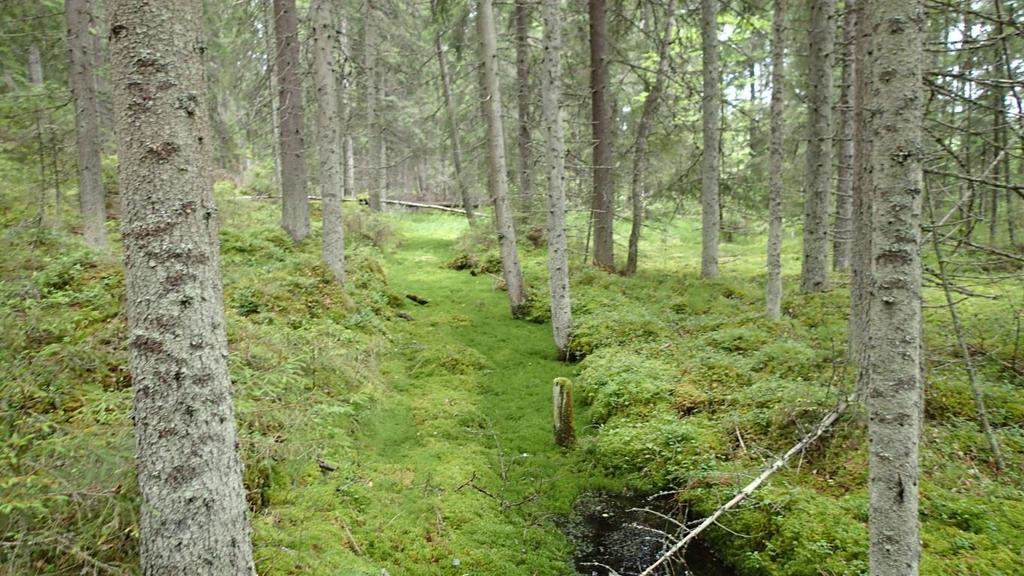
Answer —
747 490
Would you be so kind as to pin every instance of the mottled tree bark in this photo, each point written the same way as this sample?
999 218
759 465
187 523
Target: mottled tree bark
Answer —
774 289
558 254
453 130
497 175
643 129
522 22
861 265
328 125
602 202
895 389
711 104
294 199
844 178
814 273
91 199
346 105
194 515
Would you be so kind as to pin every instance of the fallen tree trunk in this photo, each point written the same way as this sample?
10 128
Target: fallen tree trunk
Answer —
386 201
420 205
747 490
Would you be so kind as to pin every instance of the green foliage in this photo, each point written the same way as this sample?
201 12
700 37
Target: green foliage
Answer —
615 380
303 358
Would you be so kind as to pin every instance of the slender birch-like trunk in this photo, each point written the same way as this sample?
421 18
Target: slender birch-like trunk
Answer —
643 130
497 179
194 516
558 253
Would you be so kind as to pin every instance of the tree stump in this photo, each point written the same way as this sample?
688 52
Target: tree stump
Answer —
565 434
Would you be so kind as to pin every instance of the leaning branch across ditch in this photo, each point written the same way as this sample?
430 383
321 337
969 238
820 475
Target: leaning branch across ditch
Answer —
822 427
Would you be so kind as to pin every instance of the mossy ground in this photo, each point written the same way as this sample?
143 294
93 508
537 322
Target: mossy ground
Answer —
374 441
453 469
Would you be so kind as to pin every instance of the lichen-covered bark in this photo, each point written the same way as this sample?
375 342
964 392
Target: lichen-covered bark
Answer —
843 237
79 19
193 518
294 200
774 288
325 60
602 204
895 395
711 104
814 272
558 253
497 178
860 254
643 130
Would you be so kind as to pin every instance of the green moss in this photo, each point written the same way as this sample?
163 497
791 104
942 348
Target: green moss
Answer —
616 381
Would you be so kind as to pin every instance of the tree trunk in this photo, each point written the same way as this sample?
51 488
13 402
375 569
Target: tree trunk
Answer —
272 93
294 203
895 395
35 79
453 130
774 290
861 265
496 160
522 22
328 124
346 104
374 163
558 253
79 19
194 516
844 179
603 202
814 274
643 129
711 104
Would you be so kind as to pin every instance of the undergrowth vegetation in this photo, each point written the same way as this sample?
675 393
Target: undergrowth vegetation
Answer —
381 434
304 359
691 388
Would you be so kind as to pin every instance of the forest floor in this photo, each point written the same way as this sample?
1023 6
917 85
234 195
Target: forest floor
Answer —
456 453
382 434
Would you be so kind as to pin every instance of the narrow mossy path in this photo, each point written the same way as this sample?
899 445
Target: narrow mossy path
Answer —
461 472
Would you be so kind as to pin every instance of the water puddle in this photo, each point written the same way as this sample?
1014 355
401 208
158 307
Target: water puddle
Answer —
625 534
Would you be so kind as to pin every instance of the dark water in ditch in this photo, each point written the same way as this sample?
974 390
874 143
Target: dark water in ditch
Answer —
628 533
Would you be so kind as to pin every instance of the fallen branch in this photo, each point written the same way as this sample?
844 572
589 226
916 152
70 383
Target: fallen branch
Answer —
420 205
418 299
350 199
747 490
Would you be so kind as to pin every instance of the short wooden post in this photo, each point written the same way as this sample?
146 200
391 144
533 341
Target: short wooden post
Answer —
561 391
